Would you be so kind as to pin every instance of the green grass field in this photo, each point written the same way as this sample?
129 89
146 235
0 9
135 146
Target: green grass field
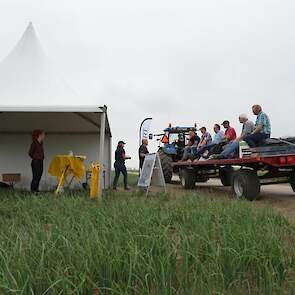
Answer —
127 244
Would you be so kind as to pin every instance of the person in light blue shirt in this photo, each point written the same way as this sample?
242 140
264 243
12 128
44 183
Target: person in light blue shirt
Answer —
218 138
263 123
262 129
219 135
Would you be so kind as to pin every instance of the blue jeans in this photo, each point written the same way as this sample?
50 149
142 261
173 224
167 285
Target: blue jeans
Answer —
120 168
256 139
230 149
186 153
199 152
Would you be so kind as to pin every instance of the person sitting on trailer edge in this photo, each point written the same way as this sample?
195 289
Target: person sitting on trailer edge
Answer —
218 138
143 150
262 128
231 149
120 157
193 141
230 133
180 143
206 138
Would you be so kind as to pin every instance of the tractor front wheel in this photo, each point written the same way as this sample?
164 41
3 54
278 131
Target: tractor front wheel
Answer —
166 162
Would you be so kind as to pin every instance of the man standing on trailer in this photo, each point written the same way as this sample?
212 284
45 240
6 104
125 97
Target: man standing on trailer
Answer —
143 150
120 157
262 128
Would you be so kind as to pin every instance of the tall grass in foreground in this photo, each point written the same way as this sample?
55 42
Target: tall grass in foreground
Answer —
133 245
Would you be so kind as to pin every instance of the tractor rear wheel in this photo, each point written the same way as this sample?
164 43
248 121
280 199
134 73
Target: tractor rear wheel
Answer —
166 162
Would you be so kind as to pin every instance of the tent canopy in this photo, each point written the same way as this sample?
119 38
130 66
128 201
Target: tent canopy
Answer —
28 76
56 120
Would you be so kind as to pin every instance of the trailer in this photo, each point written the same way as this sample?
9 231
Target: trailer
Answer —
270 164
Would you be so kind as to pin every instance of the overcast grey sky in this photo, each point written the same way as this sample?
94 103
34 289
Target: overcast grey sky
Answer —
177 61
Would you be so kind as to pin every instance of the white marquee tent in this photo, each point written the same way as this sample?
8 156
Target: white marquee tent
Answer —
26 75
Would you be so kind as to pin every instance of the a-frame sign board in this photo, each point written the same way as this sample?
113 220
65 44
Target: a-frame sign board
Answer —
151 173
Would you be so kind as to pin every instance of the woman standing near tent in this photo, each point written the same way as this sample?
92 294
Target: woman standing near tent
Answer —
36 153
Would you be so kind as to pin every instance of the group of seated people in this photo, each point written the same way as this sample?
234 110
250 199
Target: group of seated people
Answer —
225 144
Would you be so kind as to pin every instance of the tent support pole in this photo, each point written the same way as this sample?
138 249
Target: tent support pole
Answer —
110 163
101 146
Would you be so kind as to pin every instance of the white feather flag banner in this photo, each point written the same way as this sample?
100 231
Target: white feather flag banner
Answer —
145 128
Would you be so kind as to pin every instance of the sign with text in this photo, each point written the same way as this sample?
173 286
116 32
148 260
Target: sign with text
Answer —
151 173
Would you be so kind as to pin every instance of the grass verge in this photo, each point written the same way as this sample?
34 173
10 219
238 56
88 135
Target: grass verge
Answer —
127 244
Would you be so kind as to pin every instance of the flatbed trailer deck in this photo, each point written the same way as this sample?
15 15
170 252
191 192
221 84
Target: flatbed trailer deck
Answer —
244 175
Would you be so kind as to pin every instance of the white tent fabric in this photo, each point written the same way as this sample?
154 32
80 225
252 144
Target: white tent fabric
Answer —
28 77
27 81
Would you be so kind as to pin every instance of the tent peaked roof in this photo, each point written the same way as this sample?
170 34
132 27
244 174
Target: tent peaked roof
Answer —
27 76
28 49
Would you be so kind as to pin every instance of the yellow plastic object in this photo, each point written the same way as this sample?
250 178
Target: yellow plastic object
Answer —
62 166
94 188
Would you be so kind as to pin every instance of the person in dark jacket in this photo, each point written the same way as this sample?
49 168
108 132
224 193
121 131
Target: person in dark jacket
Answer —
120 157
143 150
36 153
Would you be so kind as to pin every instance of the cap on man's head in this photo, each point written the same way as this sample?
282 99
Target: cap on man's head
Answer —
121 142
225 122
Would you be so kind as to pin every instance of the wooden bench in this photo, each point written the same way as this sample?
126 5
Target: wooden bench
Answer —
11 178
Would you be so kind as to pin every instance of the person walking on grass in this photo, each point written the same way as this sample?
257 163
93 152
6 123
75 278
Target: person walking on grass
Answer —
120 157
36 153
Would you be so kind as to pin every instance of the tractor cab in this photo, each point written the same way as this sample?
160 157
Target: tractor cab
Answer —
175 139
171 146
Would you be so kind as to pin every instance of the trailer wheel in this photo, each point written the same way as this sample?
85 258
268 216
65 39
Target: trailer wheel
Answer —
188 178
292 181
226 175
246 184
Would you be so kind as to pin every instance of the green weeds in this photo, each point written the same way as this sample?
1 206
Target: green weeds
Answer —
135 245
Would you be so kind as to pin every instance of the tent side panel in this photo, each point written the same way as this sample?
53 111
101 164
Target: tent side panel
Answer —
14 154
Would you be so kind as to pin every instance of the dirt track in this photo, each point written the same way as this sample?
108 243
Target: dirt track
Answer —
279 196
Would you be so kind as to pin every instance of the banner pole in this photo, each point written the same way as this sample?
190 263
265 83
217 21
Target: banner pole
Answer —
146 119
